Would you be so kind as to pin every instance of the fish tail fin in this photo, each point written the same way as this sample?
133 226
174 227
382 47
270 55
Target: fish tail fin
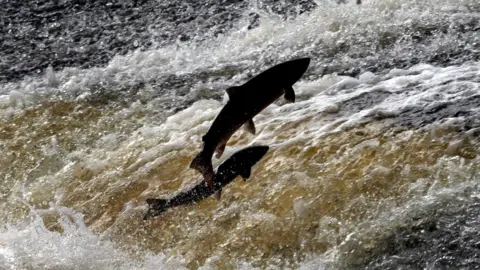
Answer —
155 207
203 164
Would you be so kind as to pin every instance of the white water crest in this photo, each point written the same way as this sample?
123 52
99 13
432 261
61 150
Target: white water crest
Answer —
29 244
322 32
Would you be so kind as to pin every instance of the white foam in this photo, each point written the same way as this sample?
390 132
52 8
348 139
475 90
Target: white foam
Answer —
454 146
346 84
368 77
397 72
52 80
31 245
326 27
380 171
108 142
4 101
300 207
17 98
314 87
370 144
52 148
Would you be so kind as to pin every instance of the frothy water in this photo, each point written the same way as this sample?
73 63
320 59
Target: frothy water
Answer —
342 38
375 166
30 244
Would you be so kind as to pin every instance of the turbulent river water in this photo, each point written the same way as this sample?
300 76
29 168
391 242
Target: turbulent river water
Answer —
375 166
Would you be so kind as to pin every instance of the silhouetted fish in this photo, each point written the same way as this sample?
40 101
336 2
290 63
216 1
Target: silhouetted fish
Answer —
240 163
244 103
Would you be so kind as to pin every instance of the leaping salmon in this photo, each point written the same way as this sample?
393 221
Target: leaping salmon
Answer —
240 163
246 101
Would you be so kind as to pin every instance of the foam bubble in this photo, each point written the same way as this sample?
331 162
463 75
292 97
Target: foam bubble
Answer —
368 77
4 101
300 207
346 84
52 80
17 98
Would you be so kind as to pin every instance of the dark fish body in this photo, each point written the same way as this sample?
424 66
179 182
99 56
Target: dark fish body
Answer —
245 102
284 74
240 163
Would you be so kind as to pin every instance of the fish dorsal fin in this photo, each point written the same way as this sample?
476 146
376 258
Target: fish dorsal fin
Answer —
217 195
246 174
232 91
249 126
289 94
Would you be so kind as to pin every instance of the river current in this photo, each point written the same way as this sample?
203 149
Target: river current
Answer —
375 166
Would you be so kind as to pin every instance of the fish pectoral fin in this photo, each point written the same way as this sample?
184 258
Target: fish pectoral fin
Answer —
249 126
217 195
220 150
209 176
232 91
246 174
289 94
197 162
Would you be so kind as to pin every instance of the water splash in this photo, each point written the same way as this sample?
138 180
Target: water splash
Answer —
30 244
